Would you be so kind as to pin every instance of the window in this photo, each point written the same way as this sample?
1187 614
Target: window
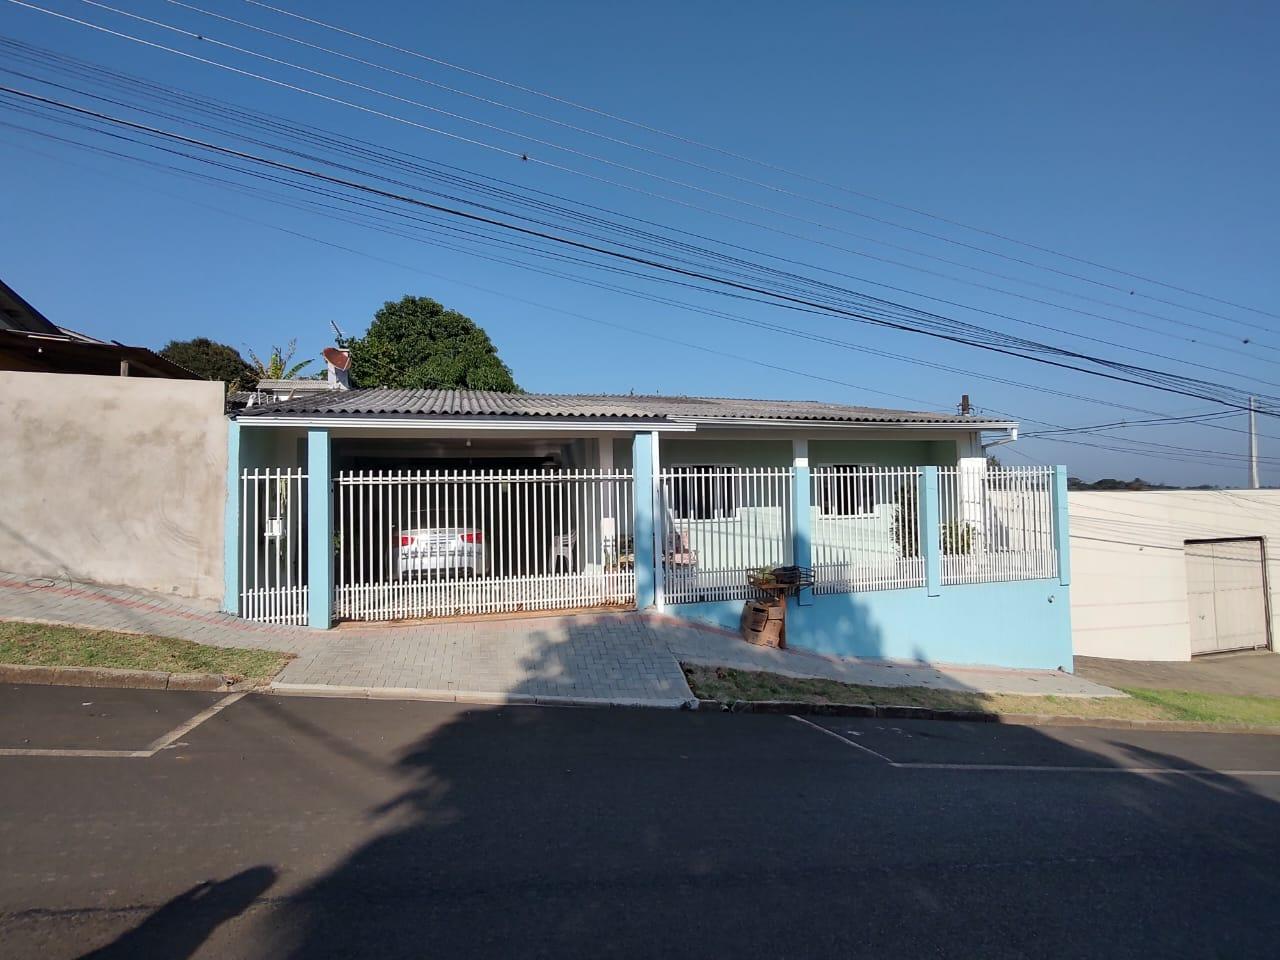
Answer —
850 489
703 492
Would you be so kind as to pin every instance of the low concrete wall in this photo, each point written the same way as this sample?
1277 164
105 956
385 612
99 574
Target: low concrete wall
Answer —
1129 569
1025 623
114 480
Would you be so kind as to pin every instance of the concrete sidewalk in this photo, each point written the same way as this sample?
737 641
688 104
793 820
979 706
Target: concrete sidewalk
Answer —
624 658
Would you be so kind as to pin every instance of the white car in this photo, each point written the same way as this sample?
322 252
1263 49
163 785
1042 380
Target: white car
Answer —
443 550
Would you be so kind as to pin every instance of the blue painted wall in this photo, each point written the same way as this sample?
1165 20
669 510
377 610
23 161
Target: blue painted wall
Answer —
1026 623
319 530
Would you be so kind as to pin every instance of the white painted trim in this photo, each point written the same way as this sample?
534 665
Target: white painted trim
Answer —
966 426
800 453
468 424
672 425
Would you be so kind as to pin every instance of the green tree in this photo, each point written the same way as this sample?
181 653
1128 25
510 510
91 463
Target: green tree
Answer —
279 364
416 342
213 361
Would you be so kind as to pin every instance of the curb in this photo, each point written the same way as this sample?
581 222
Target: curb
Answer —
473 697
886 711
895 712
124 679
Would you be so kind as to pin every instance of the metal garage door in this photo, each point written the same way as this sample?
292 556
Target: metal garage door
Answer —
1226 594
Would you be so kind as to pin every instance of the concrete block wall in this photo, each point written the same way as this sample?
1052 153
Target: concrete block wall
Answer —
116 480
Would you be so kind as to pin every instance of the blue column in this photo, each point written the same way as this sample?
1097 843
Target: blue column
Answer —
231 523
643 450
1061 529
801 514
929 540
319 531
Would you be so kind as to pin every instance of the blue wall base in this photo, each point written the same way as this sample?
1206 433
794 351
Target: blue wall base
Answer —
1024 624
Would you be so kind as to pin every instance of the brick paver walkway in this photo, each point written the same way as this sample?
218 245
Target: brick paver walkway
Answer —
620 658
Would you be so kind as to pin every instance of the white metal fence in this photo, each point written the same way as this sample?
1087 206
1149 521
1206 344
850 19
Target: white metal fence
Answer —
451 543
273 545
718 523
411 544
866 528
996 523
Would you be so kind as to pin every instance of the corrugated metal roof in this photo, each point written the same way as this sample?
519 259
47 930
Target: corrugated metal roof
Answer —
472 403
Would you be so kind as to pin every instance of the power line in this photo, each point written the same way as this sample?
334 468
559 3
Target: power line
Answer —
772 327
24 51
696 164
597 178
1128 372
1090 428
771 166
1177 458
647 333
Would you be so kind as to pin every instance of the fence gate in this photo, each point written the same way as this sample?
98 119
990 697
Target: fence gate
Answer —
719 523
413 544
1226 595
273 545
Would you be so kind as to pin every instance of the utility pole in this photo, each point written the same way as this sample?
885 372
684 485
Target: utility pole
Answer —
965 409
1253 446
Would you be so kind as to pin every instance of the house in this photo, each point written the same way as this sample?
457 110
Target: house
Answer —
269 390
29 341
384 504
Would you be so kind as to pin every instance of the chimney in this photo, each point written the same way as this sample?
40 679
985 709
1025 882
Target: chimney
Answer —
339 364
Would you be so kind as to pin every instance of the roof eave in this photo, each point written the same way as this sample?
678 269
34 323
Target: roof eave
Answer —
964 426
530 422
519 422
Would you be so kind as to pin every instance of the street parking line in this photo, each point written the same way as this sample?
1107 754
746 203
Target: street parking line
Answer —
844 740
1033 767
183 729
33 752
1042 768
151 750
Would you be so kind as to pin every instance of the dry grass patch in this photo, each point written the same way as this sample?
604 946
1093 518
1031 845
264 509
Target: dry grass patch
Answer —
727 685
45 645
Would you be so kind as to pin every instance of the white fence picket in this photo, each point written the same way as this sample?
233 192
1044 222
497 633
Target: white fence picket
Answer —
716 524
273 545
996 524
866 529
416 544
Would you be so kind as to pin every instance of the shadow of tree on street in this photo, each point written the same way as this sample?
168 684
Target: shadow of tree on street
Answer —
565 832
178 928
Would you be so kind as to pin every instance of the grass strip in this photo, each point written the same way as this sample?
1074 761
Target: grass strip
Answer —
726 685
45 645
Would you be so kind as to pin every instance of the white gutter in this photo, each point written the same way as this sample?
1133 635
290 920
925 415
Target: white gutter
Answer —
1013 435
619 425
966 426
466 424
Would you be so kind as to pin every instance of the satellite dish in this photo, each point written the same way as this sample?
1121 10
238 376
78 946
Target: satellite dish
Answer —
340 359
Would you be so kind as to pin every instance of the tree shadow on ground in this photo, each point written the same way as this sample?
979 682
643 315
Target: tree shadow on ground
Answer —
178 928
567 832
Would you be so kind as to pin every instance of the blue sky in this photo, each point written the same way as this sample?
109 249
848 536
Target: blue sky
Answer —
1139 135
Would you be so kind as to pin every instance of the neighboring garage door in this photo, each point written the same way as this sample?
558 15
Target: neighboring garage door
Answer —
1227 595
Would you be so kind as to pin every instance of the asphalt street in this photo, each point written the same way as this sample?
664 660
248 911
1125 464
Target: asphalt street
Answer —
304 827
